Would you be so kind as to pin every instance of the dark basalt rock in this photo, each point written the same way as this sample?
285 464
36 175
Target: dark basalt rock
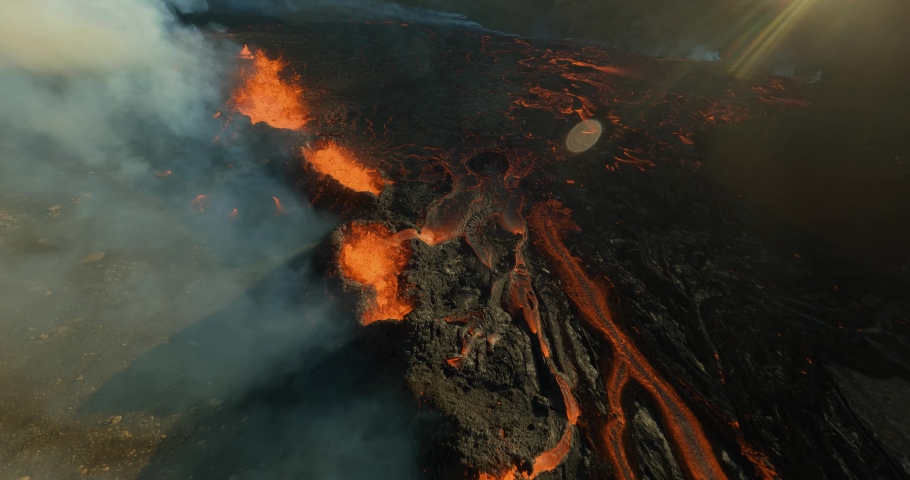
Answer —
744 317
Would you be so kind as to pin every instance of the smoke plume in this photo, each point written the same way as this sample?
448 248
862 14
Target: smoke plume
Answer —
106 136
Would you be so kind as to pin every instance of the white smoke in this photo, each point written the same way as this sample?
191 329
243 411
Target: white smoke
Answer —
74 70
815 77
704 54
95 97
790 65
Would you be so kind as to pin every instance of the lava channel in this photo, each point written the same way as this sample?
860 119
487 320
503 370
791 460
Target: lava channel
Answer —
549 221
372 257
264 97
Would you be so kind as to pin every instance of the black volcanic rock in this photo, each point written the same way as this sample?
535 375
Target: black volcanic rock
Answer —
743 317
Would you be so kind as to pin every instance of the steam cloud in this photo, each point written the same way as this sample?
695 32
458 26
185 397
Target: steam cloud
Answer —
98 95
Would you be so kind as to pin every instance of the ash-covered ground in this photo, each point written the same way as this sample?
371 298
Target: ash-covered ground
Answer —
603 314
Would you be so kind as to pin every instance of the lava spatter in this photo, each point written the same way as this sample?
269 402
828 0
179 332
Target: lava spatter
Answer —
265 97
370 257
200 203
549 221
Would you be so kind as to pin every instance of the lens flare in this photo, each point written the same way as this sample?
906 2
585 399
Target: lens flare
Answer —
751 50
583 136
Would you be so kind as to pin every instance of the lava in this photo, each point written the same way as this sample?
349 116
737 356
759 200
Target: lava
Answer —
245 54
279 210
614 431
543 463
340 164
551 459
200 203
649 122
264 97
549 221
372 257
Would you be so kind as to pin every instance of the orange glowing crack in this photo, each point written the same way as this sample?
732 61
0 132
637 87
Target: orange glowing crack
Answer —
264 97
342 165
370 258
549 220
763 466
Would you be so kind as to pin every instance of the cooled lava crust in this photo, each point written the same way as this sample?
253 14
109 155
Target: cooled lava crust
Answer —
606 314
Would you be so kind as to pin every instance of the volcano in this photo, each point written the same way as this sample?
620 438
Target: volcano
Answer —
529 250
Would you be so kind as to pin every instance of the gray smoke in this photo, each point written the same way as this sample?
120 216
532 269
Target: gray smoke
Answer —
106 273
705 54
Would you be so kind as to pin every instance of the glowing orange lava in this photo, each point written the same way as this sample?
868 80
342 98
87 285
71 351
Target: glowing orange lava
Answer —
340 164
543 463
264 97
279 210
200 203
372 258
245 53
549 221
551 459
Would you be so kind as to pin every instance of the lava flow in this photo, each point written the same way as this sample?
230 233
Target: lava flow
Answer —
340 164
265 97
549 220
372 257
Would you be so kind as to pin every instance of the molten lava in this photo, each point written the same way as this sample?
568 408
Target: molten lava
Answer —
279 210
340 164
264 97
245 54
200 203
543 463
549 220
372 257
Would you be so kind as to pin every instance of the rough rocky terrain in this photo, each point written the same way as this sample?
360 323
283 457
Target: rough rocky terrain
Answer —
605 314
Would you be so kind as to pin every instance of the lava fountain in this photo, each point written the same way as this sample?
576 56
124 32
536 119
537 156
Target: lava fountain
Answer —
264 97
371 257
341 164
